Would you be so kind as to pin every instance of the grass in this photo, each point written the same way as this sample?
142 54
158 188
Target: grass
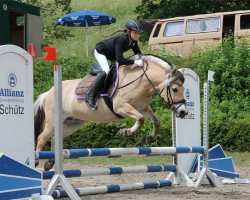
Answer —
241 159
120 9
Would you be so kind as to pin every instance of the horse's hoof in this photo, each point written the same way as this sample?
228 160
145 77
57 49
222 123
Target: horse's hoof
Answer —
124 133
148 139
48 165
36 162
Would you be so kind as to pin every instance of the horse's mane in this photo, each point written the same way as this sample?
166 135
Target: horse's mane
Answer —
155 59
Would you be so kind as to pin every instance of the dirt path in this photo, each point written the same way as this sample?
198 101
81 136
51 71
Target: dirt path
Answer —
228 192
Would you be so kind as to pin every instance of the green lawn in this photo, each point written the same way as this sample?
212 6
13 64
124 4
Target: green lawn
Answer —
120 9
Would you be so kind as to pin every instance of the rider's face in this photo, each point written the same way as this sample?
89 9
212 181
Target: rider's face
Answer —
135 35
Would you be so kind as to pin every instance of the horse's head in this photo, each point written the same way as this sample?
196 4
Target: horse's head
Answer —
170 87
173 92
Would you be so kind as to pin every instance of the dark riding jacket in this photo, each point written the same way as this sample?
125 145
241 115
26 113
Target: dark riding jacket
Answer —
114 47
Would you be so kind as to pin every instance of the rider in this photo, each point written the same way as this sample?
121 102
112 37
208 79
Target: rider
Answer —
112 49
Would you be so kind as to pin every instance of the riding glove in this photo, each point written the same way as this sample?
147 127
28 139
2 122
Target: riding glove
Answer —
139 62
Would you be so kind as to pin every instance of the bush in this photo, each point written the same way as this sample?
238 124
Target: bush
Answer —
229 94
73 67
229 99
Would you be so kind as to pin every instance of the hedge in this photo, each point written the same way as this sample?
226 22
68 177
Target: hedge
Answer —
229 99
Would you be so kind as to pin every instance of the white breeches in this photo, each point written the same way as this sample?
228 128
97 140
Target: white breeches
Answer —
103 62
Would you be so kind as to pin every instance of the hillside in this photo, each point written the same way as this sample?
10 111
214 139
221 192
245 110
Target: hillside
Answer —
121 10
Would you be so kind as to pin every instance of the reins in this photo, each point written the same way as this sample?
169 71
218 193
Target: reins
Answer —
144 73
170 104
170 99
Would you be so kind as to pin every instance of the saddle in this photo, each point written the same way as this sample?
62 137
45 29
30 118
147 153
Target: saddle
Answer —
110 84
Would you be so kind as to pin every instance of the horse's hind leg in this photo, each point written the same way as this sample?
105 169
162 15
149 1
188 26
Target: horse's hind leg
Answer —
70 125
148 114
44 136
128 111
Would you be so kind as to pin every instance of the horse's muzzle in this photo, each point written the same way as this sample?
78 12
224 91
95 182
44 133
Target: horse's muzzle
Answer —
181 111
182 114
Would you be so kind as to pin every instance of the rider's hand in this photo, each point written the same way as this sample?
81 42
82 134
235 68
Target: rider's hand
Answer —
139 63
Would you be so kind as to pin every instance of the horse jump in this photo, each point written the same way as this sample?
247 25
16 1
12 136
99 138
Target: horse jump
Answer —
103 152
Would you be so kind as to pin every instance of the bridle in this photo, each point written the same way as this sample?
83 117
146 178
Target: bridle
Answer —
170 104
178 78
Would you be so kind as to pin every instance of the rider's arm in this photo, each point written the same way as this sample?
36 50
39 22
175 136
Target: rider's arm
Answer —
119 45
136 48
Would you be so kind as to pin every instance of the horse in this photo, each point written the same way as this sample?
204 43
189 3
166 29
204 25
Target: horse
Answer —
136 87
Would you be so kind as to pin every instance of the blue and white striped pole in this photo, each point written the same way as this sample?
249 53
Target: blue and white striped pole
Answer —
111 171
77 153
114 188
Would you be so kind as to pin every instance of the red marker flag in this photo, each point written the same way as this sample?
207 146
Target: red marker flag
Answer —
51 55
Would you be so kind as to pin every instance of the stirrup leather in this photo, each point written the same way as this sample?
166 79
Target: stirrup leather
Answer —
91 101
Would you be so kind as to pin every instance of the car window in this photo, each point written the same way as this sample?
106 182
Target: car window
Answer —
174 29
245 22
157 30
203 25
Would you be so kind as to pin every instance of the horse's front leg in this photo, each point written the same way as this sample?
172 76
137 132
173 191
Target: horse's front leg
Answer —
148 114
128 111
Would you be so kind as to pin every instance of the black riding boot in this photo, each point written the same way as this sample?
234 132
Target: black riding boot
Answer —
92 95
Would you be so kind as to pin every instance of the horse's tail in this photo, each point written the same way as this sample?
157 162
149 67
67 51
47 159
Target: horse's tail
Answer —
39 115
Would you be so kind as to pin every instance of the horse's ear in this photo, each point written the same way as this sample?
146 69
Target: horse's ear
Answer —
181 70
181 76
173 71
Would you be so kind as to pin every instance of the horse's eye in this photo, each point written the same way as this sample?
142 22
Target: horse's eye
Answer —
175 90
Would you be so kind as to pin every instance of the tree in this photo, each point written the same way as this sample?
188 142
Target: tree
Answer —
50 11
160 9
153 9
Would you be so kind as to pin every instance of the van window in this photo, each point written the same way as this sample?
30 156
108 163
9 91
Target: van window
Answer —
157 30
245 22
203 25
174 29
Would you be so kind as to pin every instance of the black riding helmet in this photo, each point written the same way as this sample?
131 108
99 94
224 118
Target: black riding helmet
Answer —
133 25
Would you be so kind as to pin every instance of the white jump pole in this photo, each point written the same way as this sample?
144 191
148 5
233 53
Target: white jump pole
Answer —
205 172
59 177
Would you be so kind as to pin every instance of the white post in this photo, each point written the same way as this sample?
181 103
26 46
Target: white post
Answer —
206 117
176 177
59 177
188 130
16 104
205 172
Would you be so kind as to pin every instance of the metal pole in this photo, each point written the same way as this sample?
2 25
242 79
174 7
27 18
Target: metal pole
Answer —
58 120
206 117
206 123
175 157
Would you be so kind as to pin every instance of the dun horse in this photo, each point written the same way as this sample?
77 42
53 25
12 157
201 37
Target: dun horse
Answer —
131 101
